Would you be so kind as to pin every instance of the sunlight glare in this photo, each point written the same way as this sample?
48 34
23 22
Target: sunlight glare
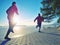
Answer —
16 19
16 29
16 36
19 20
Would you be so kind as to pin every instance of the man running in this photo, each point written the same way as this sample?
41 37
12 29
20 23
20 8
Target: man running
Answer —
39 21
10 13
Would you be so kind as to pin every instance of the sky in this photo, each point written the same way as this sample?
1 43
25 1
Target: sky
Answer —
28 10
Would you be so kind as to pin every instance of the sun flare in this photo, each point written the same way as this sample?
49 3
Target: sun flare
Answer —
16 19
19 20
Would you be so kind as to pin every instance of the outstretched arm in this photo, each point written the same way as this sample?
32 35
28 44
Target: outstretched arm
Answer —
35 19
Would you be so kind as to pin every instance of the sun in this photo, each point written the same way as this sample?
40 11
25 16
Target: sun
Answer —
16 19
19 20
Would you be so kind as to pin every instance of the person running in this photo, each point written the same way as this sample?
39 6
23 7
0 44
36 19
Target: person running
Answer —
10 13
39 21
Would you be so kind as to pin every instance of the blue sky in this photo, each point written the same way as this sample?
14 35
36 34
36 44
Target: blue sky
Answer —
28 9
